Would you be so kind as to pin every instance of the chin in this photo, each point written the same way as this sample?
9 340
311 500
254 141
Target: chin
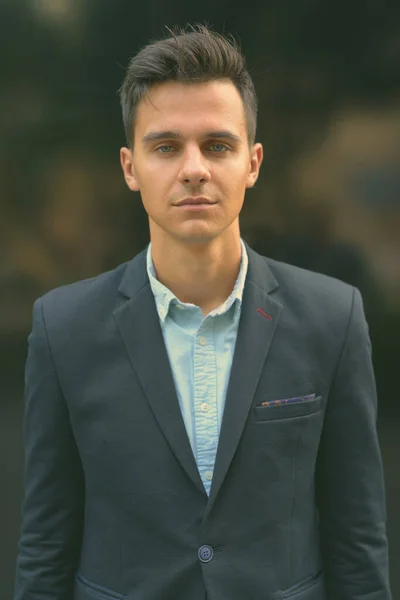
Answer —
196 237
196 231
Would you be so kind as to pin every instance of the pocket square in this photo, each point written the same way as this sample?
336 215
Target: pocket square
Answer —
288 400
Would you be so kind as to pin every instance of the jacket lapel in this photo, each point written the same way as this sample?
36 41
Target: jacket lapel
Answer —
140 329
259 318
139 326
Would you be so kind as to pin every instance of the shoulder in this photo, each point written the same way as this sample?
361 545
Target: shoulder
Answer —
82 301
314 297
296 280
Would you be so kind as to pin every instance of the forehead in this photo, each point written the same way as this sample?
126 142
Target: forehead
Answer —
191 107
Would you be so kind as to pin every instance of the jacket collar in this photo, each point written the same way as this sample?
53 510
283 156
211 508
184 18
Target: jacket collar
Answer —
258 273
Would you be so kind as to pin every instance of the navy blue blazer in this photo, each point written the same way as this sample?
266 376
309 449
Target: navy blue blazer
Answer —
114 507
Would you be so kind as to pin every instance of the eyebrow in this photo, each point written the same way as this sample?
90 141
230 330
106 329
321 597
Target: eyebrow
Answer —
154 136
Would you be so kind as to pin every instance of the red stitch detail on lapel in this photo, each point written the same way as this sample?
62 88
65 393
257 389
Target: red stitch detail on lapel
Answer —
266 315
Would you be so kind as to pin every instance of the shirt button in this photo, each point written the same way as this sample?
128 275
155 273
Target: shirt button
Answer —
204 407
203 340
209 475
205 553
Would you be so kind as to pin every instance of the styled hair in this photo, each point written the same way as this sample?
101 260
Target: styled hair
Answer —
195 56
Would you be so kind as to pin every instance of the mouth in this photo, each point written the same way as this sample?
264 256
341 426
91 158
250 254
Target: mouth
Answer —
195 203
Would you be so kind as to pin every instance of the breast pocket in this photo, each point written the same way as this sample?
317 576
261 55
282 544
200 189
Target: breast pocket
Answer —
300 407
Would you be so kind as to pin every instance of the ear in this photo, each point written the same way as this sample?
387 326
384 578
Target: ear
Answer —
256 156
126 157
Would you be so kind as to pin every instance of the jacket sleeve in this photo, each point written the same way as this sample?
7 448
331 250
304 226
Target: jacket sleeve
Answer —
350 486
53 505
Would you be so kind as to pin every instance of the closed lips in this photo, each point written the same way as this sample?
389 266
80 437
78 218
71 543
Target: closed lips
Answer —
195 201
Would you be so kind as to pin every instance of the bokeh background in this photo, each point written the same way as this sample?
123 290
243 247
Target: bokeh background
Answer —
328 199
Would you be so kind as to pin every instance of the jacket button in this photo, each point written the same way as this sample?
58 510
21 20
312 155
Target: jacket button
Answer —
205 553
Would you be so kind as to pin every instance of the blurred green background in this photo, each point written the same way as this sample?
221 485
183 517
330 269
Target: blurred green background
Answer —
328 199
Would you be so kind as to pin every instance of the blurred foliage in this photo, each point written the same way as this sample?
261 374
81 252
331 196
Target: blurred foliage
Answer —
65 213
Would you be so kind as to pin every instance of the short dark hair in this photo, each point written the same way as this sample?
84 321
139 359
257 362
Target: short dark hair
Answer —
195 56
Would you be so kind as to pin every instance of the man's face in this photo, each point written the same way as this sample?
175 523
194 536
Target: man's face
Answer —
190 143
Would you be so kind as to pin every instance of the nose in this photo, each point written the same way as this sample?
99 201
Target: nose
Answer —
194 169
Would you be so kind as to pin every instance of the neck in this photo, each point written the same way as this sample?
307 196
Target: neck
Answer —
201 274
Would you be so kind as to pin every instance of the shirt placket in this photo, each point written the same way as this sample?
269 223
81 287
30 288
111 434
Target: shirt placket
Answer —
205 402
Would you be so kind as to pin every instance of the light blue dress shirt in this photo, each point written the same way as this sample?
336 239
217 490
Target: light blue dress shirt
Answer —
200 351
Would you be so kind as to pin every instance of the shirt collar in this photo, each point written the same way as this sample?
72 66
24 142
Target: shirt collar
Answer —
163 296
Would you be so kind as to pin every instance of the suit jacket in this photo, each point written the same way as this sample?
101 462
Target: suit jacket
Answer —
114 506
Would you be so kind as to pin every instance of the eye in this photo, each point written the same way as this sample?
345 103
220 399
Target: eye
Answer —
219 148
165 149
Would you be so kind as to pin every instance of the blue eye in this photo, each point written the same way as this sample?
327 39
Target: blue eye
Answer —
219 148
164 149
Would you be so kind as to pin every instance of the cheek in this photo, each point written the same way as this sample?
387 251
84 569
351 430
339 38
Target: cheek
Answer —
154 183
160 177
155 194
233 171
235 182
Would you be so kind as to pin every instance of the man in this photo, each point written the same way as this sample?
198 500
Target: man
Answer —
200 421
